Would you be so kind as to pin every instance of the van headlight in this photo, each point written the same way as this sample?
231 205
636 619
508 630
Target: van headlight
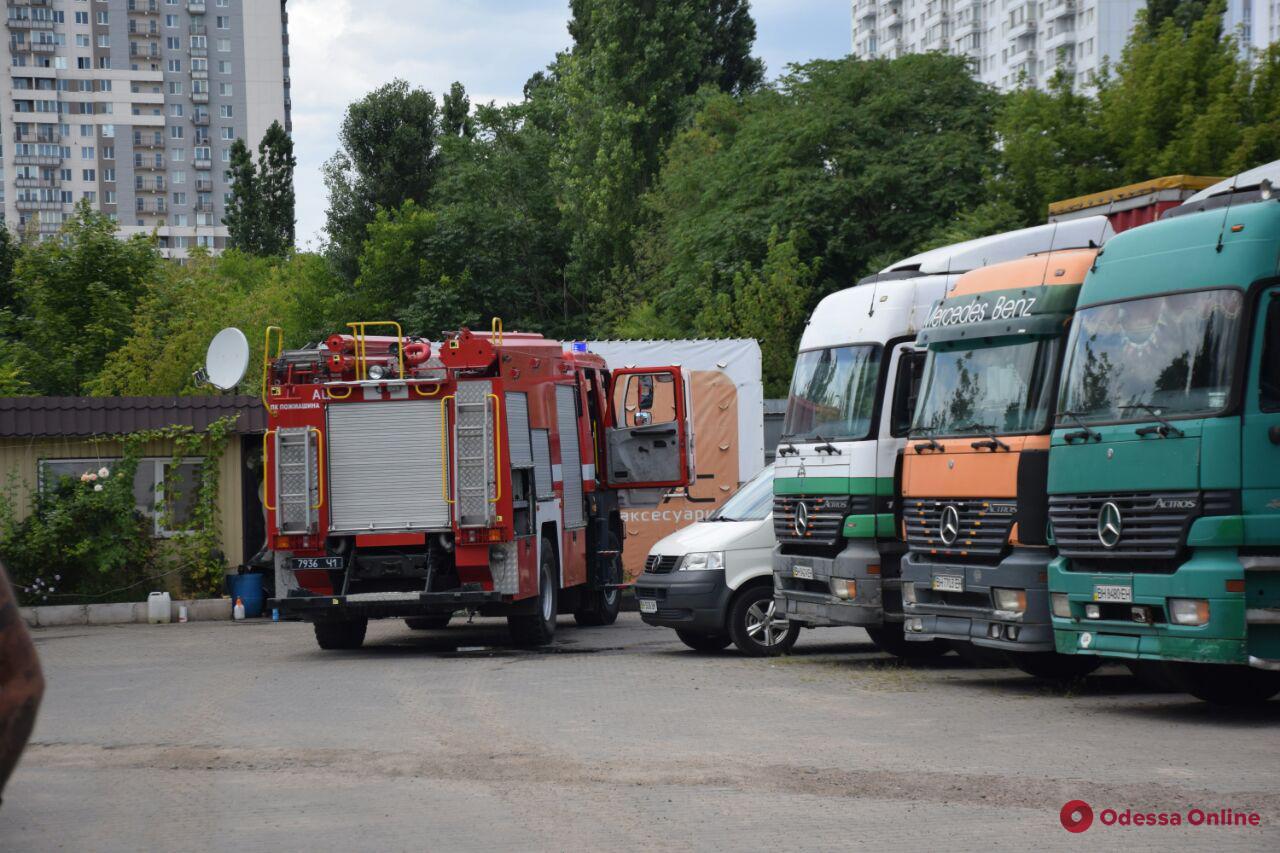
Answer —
1010 600
1189 611
1061 604
703 561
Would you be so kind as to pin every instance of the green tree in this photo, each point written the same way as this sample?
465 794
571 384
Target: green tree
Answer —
853 160
276 163
1184 13
387 157
76 298
455 112
243 216
625 87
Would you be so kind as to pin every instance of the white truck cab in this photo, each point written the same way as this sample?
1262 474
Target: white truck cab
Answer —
836 514
713 581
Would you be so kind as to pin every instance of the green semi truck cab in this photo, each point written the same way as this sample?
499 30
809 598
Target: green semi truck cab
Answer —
1164 465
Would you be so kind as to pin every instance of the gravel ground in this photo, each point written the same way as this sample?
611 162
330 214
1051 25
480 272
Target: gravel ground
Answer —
247 737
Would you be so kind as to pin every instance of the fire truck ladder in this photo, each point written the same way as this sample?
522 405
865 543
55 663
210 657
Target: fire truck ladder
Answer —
475 448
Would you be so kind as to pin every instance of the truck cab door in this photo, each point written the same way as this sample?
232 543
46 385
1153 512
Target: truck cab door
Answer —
1261 439
648 439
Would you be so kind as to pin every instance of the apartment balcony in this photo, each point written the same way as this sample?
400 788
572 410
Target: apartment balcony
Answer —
200 74
199 97
1025 27
138 52
151 209
892 17
36 204
36 160
1055 9
142 185
33 47
143 32
1022 55
198 29
37 136
148 141
967 24
29 24
200 120
936 15
196 8
199 51
864 9
203 165
37 183
938 39
204 207
204 185
143 7
148 164
1059 39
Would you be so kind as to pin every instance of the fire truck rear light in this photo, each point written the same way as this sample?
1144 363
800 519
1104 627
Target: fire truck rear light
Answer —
495 535
283 543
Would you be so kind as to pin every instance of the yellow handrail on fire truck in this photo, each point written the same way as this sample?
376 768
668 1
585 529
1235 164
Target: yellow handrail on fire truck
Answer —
495 331
266 469
319 468
360 331
444 448
267 358
497 448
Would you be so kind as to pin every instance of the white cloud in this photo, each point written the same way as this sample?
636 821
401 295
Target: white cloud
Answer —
342 49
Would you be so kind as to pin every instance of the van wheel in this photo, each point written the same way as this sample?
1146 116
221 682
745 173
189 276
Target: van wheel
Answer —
1052 666
1226 685
537 629
429 623
704 642
335 634
890 638
757 628
601 606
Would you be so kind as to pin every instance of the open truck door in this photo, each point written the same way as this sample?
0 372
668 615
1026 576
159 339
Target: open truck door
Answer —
649 438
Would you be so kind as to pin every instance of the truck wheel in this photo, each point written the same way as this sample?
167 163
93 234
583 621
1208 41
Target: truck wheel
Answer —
704 642
601 606
537 629
756 627
336 634
429 623
889 638
1052 666
1154 675
1226 685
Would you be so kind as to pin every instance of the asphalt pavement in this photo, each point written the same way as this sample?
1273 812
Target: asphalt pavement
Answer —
222 736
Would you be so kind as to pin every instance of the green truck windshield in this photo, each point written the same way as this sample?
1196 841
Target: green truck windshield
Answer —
1171 356
1000 389
833 394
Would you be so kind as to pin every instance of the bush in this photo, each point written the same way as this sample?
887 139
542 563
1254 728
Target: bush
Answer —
83 540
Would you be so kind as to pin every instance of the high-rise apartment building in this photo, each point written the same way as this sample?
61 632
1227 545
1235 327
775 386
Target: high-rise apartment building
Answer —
134 105
1010 42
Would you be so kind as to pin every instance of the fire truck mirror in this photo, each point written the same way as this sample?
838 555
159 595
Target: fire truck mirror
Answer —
227 359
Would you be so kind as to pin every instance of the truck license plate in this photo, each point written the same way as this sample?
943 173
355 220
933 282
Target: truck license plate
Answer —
948 583
648 605
315 563
804 573
1113 592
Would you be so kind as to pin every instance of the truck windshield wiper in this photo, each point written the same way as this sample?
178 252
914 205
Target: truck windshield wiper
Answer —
826 447
1165 427
1084 432
788 449
993 441
930 441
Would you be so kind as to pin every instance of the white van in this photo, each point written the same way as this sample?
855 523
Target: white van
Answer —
713 581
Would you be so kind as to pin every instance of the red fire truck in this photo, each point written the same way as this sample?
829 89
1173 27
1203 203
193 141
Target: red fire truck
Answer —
405 479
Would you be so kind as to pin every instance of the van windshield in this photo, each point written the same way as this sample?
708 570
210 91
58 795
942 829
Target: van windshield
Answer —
989 390
752 502
833 394
1164 356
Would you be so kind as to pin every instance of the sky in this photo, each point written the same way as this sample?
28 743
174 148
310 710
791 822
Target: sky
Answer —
339 50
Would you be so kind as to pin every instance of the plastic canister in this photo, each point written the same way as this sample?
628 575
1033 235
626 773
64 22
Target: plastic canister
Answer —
158 608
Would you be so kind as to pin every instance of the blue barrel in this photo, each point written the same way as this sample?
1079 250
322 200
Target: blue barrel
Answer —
248 588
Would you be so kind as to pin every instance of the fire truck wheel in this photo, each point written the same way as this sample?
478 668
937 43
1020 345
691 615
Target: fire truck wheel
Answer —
704 642
888 638
429 623
341 634
601 606
537 629
756 627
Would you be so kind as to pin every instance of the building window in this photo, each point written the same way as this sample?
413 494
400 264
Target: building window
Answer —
224 45
228 133
171 20
109 175
226 90
175 65
175 131
178 177
86 130
91 196
102 18
224 22
108 152
82 17
84 62
88 175
86 152
224 66
173 43
108 131
226 110
109 197
178 155
175 87
162 490
177 110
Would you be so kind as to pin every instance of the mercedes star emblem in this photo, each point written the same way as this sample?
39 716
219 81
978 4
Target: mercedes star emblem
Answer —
1110 525
949 526
801 524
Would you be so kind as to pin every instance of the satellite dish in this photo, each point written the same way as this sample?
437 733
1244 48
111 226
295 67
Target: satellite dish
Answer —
227 359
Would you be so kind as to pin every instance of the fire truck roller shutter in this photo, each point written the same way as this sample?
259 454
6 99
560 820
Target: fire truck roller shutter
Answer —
570 458
542 464
385 467
517 431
